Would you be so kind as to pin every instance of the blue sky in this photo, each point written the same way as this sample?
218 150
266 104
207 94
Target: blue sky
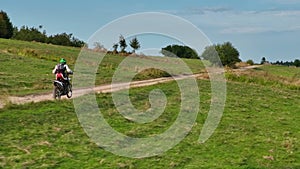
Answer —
257 28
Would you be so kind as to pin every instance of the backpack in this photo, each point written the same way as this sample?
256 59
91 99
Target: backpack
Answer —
61 68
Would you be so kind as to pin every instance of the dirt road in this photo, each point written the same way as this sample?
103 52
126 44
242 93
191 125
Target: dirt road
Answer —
98 89
107 88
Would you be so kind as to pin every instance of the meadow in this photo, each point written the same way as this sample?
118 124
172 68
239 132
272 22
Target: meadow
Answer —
26 67
259 127
269 75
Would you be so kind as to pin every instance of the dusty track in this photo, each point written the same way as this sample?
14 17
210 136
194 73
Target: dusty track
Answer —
98 89
108 88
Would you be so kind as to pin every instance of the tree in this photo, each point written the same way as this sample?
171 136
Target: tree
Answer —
134 43
225 54
229 55
123 44
263 60
250 62
115 47
210 53
6 27
179 51
297 63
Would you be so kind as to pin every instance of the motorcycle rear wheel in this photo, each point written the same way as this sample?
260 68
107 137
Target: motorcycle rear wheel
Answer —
56 93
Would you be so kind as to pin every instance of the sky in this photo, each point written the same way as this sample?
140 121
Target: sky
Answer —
257 28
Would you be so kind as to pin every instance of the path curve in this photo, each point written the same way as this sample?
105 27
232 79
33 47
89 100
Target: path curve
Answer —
110 87
98 89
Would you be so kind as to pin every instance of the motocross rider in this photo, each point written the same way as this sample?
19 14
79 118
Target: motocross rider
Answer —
61 70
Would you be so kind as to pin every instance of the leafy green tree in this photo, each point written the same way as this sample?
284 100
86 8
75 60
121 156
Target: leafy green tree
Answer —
123 44
225 54
6 27
134 43
297 63
250 62
263 60
229 54
210 53
179 51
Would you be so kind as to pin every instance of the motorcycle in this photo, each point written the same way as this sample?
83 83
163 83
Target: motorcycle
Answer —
62 87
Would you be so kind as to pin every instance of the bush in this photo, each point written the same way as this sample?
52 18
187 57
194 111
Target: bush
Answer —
250 62
34 34
226 53
179 51
150 74
28 52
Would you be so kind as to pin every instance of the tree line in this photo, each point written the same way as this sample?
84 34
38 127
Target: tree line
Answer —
219 55
179 51
296 63
8 31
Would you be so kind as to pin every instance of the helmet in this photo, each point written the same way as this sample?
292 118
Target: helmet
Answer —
63 61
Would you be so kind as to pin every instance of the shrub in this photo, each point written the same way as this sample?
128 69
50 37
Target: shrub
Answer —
150 74
250 62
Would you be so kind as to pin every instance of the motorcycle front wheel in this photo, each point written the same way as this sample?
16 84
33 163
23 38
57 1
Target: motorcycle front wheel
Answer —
69 91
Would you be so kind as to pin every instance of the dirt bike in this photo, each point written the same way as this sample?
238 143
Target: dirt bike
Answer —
62 87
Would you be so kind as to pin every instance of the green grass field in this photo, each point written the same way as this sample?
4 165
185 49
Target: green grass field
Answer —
259 128
269 75
26 67
281 71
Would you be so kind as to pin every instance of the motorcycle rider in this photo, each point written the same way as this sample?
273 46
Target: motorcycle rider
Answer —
61 70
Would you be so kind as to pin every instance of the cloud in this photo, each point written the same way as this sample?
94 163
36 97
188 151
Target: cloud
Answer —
275 12
203 11
250 22
274 21
243 30
287 13
256 30
216 9
287 1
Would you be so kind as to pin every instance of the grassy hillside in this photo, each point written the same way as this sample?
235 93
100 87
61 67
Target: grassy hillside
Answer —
259 129
26 66
38 50
269 75
281 71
